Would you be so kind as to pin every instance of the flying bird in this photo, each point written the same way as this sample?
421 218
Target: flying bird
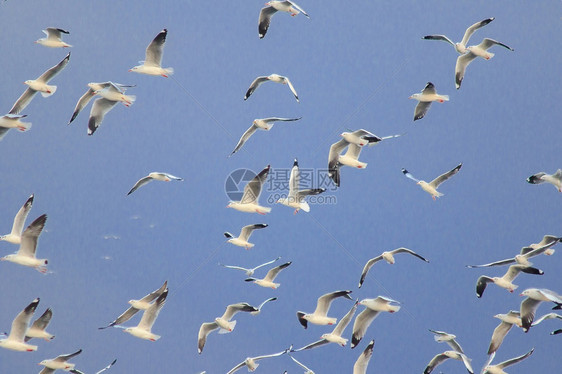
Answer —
267 281
144 329
529 306
60 362
388 257
522 258
15 340
506 280
431 187
245 233
249 272
373 307
12 121
251 362
425 98
362 362
14 236
513 317
474 51
444 337
554 179
258 311
498 369
438 360
259 124
546 316
26 253
39 85
296 197
460 47
249 202
306 369
37 328
270 78
74 371
320 314
165 177
273 7
152 65
54 38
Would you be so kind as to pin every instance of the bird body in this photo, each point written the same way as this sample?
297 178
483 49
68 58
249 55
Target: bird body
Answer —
54 38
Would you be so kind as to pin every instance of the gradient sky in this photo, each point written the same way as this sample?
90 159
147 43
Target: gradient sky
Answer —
354 65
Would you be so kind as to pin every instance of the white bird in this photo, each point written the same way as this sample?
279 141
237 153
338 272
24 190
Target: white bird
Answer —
460 47
258 311
547 239
373 307
152 65
522 258
443 337
144 329
39 85
54 38
12 121
438 359
223 322
554 179
249 272
320 314
362 362
267 281
474 51
273 7
529 306
261 124
251 362
498 369
136 305
15 340
249 202
245 233
506 280
26 253
270 78
296 197
431 187
509 319
14 236
60 362
388 257
547 316
336 335
37 328
165 177
306 369
113 92
74 371
425 98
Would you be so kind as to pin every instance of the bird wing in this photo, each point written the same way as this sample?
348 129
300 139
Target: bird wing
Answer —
294 180
361 324
362 362
21 322
154 294
300 364
3 132
435 361
266 301
54 33
317 343
528 311
439 37
481 284
292 88
353 151
23 101
546 316
244 138
342 324
141 182
514 360
99 110
265 19
252 190
265 263
310 191
324 301
460 67
429 89
496 263
42 322
240 365
204 330
536 178
297 7
232 309
255 84
487 43
278 119
82 102
246 231
64 358
272 273
421 109
409 251
333 164
149 315
30 236
155 49
409 175
468 33
50 74
443 177
105 368
124 317
21 216
47 370
367 267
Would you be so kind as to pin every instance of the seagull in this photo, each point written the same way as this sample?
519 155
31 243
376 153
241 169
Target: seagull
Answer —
507 321
529 306
474 51
431 187
306 369
372 309
54 38
273 78
74 371
362 362
15 340
556 332
522 258
153 176
267 281
498 369
249 202
14 236
336 335
152 65
222 322
273 7
136 305
442 336
245 233
249 272
95 88
355 141
37 328
460 47
258 311
554 179
506 280
251 364
438 359
113 92
296 198
547 316
26 253
143 329
261 124
388 257
12 121
60 362
39 85
425 98
320 315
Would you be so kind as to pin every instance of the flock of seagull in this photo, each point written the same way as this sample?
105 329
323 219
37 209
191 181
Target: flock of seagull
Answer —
109 94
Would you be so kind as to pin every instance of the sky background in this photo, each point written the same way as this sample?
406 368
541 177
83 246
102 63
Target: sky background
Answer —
354 66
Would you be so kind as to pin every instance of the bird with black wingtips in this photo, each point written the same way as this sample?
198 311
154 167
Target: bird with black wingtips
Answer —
276 78
425 98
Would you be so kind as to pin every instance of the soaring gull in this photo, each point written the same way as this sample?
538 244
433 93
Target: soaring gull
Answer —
388 257
152 65
273 7
270 78
245 233
425 98
431 187
14 236
460 47
165 177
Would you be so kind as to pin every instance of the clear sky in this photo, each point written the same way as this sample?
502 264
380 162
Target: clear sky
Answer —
354 65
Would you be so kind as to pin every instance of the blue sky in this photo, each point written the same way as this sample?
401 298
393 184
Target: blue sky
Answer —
354 66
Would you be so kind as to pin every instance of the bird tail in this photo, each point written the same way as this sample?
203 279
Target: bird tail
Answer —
129 99
51 90
169 71
304 206
231 326
24 126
